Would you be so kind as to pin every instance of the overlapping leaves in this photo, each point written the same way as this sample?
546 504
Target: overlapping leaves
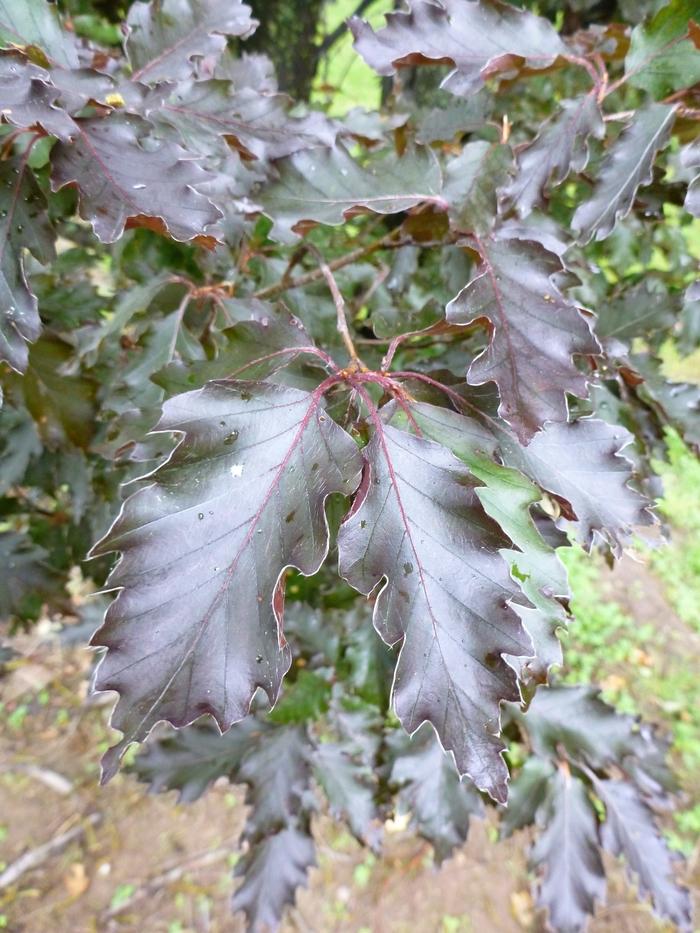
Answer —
443 501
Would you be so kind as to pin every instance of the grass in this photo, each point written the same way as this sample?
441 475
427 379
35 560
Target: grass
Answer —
640 668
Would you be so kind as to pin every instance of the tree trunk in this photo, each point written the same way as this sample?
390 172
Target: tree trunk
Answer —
288 34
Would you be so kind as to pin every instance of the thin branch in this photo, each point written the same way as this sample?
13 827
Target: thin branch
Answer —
339 302
36 857
271 291
51 779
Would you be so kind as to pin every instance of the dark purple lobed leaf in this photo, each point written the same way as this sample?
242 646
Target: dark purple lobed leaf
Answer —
630 830
507 496
189 760
574 720
165 40
277 771
526 794
560 147
196 626
272 871
104 161
581 463
567 854
441 805
29 99
479 38
535 332
628 165
418 524
24 224
259 125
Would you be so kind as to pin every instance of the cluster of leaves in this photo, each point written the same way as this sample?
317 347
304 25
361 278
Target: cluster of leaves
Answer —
189 264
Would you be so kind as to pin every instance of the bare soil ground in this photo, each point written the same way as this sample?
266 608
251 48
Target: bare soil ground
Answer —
150 865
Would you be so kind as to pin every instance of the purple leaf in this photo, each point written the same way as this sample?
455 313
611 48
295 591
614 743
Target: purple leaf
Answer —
628 165
166 40
581 463
630 830
103 163
535 333
441 805
29 99
197 624
418 524
258 125
560 147
24 224
479 39
567 854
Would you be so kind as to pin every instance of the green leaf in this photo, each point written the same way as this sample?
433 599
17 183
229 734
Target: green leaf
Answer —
303 700
269 340
27 579
63 405
471 181
662 58
35 23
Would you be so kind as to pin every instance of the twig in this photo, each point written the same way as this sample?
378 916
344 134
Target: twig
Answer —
203 860
36 857
51 779
339 302
387 242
